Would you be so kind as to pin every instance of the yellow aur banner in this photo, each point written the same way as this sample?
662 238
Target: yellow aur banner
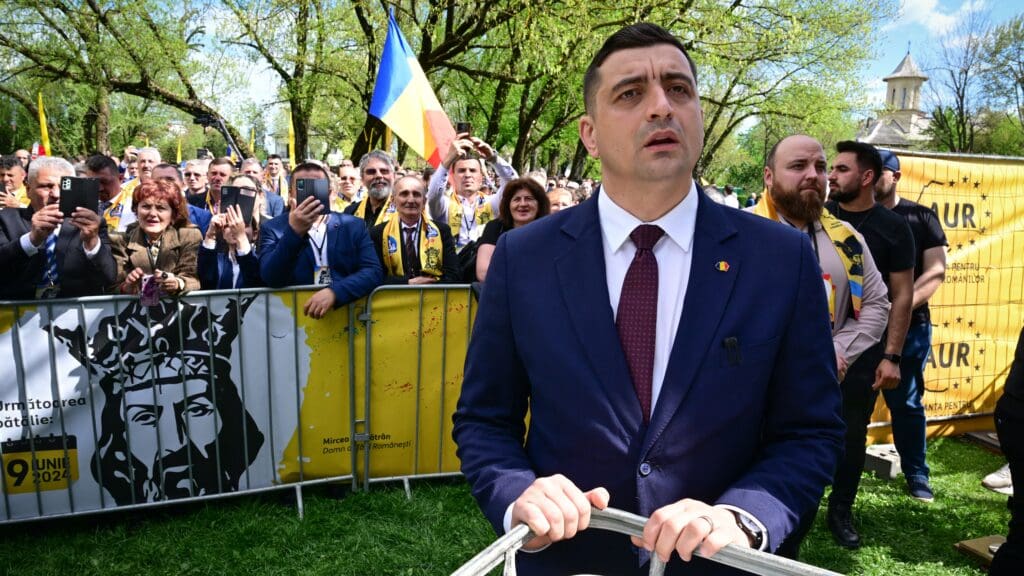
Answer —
977 312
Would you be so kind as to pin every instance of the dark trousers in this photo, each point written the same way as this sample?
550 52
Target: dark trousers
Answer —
1010 426
906 407
858 404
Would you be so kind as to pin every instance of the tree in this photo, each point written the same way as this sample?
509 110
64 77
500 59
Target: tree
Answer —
143 48
1003 73
956 84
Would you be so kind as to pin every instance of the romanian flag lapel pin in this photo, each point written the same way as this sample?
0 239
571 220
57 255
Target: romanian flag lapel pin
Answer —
722 266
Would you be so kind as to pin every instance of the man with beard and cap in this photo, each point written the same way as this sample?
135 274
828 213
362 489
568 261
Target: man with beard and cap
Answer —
855 171
378 172
466 208
412 248
794 179
909 428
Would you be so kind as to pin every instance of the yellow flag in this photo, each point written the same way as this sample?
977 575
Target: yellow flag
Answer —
387 139
147 141
179 150
43 131
252 140
291 142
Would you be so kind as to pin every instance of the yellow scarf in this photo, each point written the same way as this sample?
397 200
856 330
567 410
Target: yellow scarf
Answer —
21 195
430 248
384 216
339 204
848 248
484 212
115 211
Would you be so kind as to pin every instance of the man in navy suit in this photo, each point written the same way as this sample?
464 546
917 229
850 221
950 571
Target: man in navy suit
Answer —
701 393
44 254
308 245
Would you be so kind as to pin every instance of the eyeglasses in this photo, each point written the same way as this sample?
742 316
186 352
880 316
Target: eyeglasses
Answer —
375 171
191 174
248 189
347 178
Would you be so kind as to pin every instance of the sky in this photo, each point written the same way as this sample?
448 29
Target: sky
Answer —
923 23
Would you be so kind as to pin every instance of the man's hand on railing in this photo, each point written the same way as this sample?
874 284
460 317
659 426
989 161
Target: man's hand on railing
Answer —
555 509
688 526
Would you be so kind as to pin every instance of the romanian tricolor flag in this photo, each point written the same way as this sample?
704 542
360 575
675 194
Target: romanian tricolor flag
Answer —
405 102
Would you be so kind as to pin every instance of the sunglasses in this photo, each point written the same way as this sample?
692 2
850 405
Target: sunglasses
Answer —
347 178
375 171
190 174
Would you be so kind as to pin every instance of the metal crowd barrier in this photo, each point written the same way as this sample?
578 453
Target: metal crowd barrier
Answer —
503 550
143 456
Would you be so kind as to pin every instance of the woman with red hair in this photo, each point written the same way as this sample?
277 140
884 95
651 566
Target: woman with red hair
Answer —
156 255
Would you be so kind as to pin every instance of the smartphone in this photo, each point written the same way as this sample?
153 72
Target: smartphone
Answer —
318 187
78 192
463 128
245 199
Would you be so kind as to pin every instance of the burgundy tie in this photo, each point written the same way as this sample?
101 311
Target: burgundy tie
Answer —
637 316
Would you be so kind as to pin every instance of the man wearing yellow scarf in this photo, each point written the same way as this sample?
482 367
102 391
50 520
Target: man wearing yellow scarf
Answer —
377 169
412 248
794 179
466 209
12 191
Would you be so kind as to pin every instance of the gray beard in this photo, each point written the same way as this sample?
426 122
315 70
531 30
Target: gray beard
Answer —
379 192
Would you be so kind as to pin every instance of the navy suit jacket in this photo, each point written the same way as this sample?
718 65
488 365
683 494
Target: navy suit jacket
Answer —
287 259
216 272
757 426
200 217
78 274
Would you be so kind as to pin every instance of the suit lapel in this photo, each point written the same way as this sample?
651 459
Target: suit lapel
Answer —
707 295
584 286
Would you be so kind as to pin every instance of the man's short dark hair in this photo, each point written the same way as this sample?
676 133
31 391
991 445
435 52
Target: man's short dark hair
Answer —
638 35
222 161
274 157
177 172
100 162
868 157
312 166
7 162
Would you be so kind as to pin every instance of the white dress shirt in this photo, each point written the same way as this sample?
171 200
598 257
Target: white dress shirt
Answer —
674 252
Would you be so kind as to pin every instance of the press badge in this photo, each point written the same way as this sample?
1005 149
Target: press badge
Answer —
322 276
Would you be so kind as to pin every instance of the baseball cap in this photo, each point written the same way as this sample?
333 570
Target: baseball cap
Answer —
889 161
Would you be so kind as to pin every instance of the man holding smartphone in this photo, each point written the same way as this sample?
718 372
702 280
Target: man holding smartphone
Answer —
311 245
47 254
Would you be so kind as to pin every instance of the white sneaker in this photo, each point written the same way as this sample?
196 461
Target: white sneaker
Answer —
1000 480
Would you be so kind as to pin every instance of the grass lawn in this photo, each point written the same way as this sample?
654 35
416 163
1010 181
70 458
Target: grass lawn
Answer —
381 532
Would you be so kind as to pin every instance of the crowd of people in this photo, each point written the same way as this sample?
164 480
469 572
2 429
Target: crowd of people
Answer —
161 230
583 278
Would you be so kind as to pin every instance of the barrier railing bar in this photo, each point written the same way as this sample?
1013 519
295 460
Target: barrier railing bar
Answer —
58 399
270 385
175 501
352 453
444 367
743 558
419 384
124 380
212 376
23 397
241 381
184 391
19 376
364 435
153 387
298 386
92 406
